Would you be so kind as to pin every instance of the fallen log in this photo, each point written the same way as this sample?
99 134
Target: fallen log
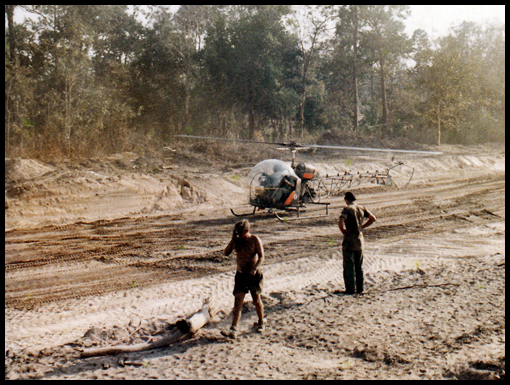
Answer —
424 285
196 321
112 350
185 329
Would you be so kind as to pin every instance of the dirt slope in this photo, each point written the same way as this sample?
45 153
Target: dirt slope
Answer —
115 250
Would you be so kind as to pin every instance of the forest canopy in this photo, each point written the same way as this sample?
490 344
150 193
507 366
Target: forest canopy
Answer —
85 80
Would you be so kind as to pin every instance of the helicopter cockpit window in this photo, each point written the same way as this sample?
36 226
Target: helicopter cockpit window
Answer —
267 180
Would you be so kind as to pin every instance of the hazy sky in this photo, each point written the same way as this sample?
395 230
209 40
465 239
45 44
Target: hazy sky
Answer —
436 20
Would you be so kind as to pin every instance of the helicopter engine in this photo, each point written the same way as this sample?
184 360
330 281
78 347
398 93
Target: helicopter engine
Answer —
307 172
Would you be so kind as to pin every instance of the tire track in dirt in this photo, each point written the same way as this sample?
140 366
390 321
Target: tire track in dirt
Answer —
407 220
169 301
175 300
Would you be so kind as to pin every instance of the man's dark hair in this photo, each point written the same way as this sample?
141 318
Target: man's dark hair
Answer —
241 226
349 196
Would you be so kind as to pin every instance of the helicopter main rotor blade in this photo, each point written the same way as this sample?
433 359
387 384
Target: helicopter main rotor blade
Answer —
296 146
375 149
229 139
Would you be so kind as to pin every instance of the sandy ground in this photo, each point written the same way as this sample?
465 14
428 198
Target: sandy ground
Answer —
113 251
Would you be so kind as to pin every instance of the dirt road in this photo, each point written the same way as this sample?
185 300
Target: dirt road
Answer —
62 281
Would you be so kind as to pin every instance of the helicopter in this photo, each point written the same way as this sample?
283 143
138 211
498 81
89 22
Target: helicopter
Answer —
275 185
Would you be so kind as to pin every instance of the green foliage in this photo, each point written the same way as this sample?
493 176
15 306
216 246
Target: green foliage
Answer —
250 58
461 86
83 80
75 95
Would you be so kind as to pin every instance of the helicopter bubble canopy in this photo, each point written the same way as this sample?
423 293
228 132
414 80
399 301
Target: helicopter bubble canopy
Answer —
269 173
273 184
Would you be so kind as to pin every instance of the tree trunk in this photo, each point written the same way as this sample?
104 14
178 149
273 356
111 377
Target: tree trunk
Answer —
186 328
383 94
68 110
111 350
302 113
439 124
187 98
251 124
195 322
355 71
12 36
303 98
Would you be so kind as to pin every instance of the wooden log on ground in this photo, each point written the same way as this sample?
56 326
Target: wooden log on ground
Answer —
196 321
112 350
186 328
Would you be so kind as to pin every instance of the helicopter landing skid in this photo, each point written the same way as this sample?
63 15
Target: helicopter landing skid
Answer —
286 219
244 215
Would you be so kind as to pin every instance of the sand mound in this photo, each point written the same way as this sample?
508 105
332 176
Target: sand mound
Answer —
127 184
37 194
24 169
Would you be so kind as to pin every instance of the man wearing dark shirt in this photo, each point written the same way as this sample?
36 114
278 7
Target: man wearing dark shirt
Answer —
351 225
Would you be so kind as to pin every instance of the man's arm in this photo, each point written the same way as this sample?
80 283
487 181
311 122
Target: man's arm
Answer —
371 219
260 252
229 248
341 225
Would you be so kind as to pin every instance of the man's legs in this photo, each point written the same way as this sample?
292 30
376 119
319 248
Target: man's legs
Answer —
358 267
259 307
349 271
255 285
236 313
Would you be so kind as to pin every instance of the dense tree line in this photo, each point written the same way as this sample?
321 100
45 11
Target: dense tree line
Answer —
92 79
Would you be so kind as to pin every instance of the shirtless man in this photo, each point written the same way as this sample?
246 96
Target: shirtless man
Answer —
250 256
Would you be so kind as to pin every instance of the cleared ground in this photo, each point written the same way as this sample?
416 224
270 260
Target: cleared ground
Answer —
105 245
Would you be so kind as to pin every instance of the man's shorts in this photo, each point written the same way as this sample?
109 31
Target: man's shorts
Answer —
244 283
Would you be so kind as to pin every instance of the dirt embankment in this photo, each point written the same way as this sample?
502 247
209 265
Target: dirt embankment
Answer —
115 250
